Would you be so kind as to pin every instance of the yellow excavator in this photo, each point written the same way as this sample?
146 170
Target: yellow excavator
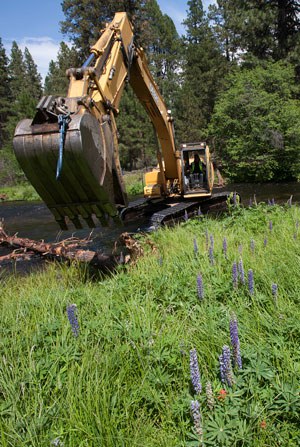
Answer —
69 151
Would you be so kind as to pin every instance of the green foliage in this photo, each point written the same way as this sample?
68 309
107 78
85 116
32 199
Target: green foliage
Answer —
203 74
267 29
137 140
5 94
22 191
125 380
255 124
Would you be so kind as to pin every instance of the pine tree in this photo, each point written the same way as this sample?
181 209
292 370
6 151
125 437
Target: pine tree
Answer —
56 81
5 93
16 69
33 80
203 74
265 29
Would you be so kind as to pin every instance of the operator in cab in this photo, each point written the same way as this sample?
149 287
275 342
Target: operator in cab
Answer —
197 166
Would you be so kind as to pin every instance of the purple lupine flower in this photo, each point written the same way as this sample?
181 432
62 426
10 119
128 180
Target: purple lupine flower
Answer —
199 212
234 275
209 396
270 225
225 366
211 255
234 337
195 246
200 288
273 202
186 216
274 290
269 202
72 316
196 415
212 242
241 271
121 259
225 247
251 281
265 241
234 199
252 245
195 373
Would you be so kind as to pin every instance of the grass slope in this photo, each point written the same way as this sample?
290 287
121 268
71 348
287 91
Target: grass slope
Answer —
125 380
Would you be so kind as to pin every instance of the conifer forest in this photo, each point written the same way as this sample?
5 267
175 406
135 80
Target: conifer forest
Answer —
232 79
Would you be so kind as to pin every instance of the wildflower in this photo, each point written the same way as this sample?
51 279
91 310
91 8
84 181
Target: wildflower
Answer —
252 246
263 424
186 216
199 212
274 290
195 247
71 312
269 202
200 288
235 199
196 415
211 255
265 241
225 366
225 247
212 242
270 225
209 396
222 394
251 281
273 202
241 271
195 373
234 336
234 275
57 442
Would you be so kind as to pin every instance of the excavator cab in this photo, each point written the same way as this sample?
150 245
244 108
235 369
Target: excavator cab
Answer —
196 170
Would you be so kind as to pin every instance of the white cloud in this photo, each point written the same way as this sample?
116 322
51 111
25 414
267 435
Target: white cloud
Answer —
42 49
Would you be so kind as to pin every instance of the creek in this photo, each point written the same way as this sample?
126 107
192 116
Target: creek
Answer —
33 219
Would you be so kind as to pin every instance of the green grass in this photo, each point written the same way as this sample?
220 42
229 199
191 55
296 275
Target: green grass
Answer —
22 191
125 381
134 182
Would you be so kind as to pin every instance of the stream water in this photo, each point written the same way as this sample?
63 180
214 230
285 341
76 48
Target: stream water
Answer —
33 219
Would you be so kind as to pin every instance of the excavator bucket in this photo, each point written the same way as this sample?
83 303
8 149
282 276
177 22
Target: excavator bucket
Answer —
89 183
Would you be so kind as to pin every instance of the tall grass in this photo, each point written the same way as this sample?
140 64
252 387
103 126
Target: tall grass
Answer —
125 380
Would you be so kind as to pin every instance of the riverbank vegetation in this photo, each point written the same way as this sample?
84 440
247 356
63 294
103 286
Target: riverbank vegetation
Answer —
120 360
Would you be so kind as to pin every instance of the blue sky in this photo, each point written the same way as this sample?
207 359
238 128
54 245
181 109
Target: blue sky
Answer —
35 24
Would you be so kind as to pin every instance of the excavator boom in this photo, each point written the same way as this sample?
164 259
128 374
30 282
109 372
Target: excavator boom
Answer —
69 151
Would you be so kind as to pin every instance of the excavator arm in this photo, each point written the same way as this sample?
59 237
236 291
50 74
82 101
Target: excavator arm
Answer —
69 151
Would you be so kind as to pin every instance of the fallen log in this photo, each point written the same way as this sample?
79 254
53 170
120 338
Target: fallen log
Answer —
70 250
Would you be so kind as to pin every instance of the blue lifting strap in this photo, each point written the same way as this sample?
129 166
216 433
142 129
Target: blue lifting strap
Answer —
63 121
